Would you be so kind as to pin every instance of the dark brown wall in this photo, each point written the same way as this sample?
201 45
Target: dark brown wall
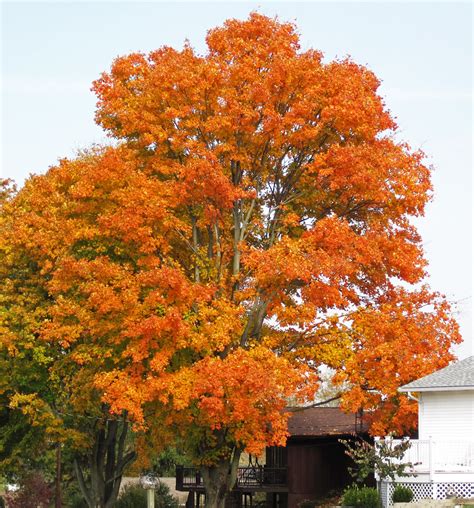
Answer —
276 456
315 468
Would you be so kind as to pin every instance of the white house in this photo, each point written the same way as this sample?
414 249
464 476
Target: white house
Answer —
443 454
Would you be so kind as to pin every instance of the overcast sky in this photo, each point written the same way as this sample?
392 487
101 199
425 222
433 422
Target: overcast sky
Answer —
422 52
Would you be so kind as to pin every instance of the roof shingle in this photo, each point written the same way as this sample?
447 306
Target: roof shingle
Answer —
459 375
321 422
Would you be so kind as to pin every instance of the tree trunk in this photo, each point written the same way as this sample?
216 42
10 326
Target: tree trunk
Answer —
57 482
219 479
100 482
215 484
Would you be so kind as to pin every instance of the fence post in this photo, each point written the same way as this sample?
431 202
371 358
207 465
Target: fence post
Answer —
431 457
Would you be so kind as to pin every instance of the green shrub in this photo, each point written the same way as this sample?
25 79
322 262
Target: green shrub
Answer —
76 501
132 496
402 494
72 496
135 496
361 497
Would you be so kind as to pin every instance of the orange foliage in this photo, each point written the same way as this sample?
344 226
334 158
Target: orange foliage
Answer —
253 224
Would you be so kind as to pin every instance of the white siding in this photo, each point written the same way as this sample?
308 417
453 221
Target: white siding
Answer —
447 415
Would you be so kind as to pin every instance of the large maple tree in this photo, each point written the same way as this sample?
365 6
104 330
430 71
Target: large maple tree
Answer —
253 223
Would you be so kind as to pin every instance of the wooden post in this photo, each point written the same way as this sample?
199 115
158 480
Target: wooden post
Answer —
179 477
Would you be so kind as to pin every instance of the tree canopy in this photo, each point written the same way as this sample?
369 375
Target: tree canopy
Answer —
294 205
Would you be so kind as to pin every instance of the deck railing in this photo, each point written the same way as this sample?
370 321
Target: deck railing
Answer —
247 477
430 456
261 476
188 477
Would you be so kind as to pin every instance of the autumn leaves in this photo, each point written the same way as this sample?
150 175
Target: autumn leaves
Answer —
252 223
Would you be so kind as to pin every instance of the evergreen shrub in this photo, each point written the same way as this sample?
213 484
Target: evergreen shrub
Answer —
361 497
402 494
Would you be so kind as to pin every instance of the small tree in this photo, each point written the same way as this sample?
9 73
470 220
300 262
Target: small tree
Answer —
384 458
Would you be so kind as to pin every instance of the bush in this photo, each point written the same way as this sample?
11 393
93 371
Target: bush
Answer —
361 497
72 496
34 492
402 494
76 501
132 496
135 496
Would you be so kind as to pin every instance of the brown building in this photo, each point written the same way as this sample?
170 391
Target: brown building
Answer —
309 467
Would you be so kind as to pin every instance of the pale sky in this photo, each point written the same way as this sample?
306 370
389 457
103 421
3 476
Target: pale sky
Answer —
422 52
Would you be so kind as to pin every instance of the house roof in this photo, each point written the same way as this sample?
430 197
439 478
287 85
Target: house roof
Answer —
321 422
457 376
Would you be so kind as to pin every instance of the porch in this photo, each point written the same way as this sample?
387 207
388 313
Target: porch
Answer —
441 469
440 458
